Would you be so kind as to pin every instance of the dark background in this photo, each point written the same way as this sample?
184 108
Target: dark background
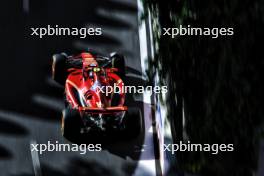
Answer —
218 82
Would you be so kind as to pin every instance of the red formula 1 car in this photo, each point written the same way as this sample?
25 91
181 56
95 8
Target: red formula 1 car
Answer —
92 104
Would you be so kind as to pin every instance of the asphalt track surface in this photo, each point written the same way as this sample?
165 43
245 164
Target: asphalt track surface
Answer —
31 103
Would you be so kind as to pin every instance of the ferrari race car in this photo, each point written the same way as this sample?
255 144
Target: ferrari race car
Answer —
91 104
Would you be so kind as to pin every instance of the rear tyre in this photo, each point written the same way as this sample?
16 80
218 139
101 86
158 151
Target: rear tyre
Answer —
59 70
118 61
71 124
134 123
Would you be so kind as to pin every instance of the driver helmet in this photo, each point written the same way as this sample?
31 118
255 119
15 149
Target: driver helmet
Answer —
88 60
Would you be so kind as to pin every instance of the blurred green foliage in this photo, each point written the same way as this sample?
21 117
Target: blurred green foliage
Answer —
219 80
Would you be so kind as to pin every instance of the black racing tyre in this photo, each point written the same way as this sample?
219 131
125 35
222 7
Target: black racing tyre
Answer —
71 124
134 123
118 61
59 70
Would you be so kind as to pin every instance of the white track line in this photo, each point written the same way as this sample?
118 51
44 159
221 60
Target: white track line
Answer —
147 162
35 160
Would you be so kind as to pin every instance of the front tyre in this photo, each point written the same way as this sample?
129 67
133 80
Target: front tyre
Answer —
118 61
